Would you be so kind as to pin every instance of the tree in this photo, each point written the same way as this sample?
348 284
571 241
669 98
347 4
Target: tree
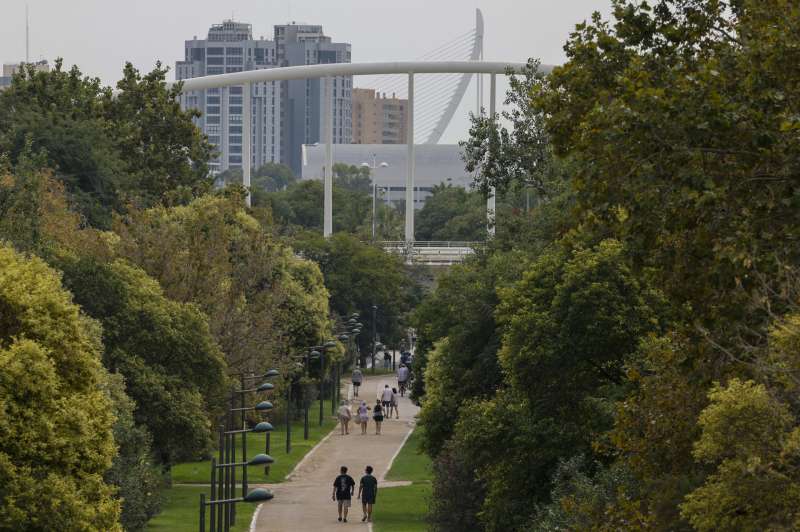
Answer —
214 254
137 147
173 368
56 441
452 213
358 276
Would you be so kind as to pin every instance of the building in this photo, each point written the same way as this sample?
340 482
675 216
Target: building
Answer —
230 47
9 69
378 119
286 114
435 164
305 44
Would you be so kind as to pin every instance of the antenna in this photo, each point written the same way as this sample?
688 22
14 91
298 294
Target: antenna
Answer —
27 36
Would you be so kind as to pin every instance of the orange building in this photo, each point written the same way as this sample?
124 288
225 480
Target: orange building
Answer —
378 119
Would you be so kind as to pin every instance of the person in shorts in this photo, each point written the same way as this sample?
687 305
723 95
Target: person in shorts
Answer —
377 416
343 488
368 492
345 414
386 398
357 379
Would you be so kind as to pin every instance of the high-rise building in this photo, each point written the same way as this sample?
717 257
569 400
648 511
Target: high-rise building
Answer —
305 44
378 119
230 47
286 114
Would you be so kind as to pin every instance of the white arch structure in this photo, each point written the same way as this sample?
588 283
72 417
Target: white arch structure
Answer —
327 72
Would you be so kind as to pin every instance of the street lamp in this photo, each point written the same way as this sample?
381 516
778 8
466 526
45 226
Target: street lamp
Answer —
374 334
374 187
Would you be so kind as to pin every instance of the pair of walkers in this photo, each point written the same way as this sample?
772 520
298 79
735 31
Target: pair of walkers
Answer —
344 488
389 401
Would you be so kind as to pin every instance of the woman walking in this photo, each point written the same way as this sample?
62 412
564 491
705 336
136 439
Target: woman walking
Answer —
344 417
378 416
395 396
363 416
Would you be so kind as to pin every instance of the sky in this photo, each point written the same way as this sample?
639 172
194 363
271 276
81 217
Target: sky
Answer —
101 35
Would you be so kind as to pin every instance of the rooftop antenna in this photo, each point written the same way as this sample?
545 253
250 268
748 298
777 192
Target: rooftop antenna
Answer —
27 36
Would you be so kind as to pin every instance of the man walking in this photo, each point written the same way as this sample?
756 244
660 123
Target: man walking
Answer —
343 488
386 398
402 378
357 379
368 492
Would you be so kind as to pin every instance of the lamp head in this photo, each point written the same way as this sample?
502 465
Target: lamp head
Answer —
264 426
267 386
263 406
258 495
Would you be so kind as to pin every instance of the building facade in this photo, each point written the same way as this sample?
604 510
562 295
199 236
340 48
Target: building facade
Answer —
285 114
307 44
378 119
230 47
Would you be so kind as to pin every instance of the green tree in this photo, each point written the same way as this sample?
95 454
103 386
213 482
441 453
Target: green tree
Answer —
137 147
56 441
173 368
452 213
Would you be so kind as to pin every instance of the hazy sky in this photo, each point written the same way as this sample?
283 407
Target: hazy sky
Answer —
100 35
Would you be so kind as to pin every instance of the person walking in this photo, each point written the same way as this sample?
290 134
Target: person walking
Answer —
395 401
378 416
363 416
402 378
368 492
343 488
357 379
345 414
387 360
386 398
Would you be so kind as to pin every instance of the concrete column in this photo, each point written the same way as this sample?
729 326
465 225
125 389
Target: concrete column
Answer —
328 139
410 162
247 137
491 204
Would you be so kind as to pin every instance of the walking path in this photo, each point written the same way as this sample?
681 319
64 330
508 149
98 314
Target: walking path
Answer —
303 503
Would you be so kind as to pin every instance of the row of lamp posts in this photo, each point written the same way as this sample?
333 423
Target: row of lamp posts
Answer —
222 501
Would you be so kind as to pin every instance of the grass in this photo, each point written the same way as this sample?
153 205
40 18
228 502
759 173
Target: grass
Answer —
200 472
180 510
411 464
403 509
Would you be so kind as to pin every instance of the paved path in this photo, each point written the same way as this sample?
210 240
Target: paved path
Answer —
303 503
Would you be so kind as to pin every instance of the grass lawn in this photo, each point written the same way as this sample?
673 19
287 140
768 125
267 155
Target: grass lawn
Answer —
200 472
180 510
403 509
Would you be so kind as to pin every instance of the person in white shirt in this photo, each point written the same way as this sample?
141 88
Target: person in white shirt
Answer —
386 398
345 414
357 379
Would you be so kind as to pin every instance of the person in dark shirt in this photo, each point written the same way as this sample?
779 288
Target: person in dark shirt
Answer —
367 492
343 488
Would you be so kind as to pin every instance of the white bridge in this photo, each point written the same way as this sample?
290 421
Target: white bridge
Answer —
432 125
432 253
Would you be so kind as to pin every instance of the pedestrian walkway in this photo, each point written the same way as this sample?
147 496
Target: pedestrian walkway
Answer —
303 503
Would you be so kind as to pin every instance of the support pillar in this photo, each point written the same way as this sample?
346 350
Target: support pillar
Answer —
491 203
409 233
328 139
247 137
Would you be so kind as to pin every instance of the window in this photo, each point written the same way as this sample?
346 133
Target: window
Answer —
235 109
235 149
233 69
215 51
235 159
235 100
233 51
235 130
235 90
212 100
215 60
214 70
212 109
213 139
234 60
212 119
235 139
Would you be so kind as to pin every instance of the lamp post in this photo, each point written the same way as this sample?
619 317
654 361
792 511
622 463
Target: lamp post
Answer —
373 168
374 334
